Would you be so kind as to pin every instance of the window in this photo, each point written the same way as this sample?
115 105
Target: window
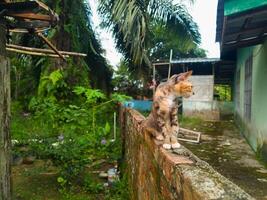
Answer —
248 89
237 90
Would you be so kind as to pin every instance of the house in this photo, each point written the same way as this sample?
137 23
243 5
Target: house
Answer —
242 33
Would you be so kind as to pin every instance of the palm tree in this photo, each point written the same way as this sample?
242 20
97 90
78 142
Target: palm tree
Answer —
133 22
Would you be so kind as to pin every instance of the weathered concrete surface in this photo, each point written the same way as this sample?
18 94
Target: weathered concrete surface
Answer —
155 173
224 148
201 104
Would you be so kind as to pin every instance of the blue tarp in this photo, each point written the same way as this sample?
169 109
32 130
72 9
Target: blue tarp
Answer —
142 105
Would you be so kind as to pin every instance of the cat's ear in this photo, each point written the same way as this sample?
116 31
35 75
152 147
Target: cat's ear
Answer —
174 78
185 76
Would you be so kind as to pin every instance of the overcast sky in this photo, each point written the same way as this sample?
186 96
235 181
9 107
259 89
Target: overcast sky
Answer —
203 12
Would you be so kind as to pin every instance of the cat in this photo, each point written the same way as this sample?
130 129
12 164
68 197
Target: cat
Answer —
162 122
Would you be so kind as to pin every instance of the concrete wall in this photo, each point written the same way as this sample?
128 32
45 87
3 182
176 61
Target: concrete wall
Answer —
256 130
155 174
201 104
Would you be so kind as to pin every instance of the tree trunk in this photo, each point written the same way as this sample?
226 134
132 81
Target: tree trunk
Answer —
5 141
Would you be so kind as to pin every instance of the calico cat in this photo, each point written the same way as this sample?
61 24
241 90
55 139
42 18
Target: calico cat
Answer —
162 122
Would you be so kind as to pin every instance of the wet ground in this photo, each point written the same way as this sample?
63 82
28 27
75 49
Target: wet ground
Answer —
224 148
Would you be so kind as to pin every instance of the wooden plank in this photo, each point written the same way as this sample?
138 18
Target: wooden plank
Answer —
31 16
5 141
29 25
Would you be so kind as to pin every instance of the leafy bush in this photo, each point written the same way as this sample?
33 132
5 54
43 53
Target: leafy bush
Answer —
72 134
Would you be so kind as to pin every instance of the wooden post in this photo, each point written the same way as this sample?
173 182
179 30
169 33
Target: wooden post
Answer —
5 141
154 78
170 65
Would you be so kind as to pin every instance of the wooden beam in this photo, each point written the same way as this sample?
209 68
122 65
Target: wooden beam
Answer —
246 14
49 51
223 31
163 63
245 31
20 30
31 16
51 45
29 25
244 42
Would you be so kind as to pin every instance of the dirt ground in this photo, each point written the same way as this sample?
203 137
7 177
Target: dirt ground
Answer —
224 148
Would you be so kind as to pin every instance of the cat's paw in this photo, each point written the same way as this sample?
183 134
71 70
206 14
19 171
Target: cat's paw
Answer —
167 146
160 137
176 145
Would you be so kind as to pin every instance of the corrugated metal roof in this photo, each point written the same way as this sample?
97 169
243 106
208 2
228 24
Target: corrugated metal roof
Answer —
195 60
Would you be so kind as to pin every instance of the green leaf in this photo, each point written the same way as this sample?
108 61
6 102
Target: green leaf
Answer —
60 179
107 127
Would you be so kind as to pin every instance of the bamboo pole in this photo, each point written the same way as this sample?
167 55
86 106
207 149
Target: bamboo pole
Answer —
33 53
48 51
20 30
50 45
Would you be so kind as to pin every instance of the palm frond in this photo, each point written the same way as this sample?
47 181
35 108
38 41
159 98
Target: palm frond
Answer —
130 22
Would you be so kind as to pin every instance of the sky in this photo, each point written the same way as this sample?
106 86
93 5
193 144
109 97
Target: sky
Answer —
202 11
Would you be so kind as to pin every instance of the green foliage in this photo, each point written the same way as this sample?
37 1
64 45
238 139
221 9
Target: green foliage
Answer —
127 82
120 190
49 84
223 92
120 97
92 96
91 185
78 133
132 24
163 40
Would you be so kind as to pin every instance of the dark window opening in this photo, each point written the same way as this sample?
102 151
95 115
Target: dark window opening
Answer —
237 90
248 88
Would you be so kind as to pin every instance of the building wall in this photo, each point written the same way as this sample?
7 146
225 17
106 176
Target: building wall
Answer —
235 6
256 130
201 104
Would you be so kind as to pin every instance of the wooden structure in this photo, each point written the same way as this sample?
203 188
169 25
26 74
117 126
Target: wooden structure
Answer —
24 17
223 71
31 17
189 135
240 24
207 72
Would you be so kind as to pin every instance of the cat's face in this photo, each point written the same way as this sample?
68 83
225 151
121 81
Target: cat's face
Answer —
182 86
